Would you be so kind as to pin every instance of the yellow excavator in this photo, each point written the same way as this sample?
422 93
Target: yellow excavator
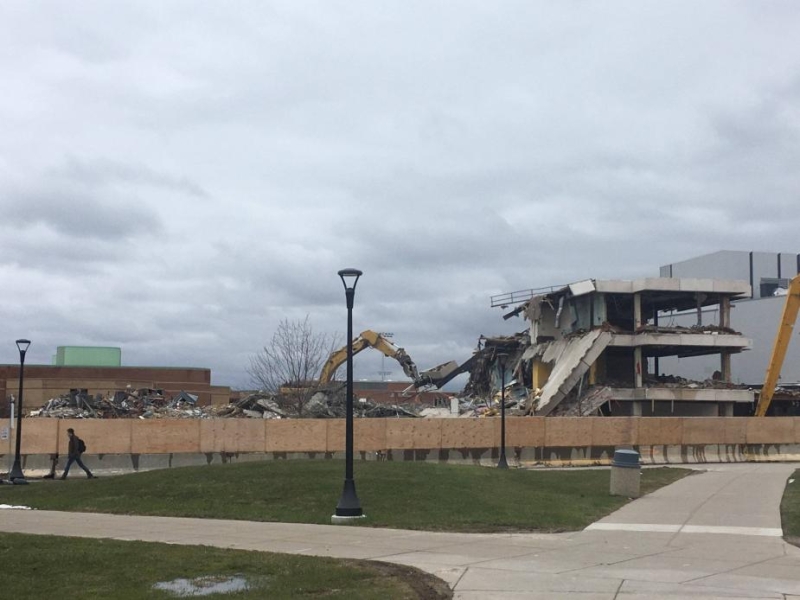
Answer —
366 339
780 346
369 339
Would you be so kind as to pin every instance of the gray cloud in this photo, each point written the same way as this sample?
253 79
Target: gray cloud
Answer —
176 179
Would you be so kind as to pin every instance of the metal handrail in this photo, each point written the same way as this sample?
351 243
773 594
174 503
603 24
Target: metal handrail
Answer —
522 295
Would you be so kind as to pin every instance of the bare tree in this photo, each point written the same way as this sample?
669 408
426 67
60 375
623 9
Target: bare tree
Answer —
292 361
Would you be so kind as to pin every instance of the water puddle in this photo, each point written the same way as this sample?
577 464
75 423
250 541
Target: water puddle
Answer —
204 586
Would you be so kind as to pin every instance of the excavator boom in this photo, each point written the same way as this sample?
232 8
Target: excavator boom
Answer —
780 346
369 339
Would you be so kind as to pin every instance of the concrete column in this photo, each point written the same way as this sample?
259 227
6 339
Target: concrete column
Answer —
725 312
726 409
637 408
540 371
725 366
637 311
638 369
699 298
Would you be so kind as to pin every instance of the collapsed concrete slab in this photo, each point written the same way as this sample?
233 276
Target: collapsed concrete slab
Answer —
595 345
571 358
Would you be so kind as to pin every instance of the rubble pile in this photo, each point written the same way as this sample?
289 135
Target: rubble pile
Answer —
154 404
674 381
143 403
695 329
258 406
332 403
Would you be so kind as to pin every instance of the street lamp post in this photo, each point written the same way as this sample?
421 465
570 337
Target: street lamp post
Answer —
16 475
349 505
502 357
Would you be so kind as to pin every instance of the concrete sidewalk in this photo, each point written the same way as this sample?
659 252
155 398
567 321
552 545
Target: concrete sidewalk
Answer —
712 535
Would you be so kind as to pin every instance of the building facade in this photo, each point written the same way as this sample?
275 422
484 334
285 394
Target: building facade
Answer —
599 347
757 315
43 382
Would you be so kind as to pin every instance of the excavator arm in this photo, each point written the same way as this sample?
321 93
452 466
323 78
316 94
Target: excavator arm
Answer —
780 347
440 375
369 339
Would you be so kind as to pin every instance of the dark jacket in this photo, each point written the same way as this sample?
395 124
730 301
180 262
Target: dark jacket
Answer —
73 447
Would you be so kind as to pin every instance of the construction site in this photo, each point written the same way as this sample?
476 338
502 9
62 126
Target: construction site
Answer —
589 348
595 365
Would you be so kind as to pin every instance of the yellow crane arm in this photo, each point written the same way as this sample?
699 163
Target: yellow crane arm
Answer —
780 347
337 358
369 339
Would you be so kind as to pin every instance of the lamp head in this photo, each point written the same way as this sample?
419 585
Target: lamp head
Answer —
350 278
501 356
22 346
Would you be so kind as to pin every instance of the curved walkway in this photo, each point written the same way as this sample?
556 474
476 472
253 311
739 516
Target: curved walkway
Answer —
715 534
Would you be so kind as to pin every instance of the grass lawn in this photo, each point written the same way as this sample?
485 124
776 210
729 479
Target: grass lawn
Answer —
404 495
37 567
790 510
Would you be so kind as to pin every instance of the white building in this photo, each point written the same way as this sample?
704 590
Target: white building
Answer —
757 317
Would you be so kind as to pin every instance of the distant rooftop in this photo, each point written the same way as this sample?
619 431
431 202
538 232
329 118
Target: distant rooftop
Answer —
88 356
620 286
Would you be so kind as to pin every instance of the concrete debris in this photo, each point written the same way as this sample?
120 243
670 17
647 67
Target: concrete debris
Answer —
697 329
572 357
143 403
585 405
484 373
154 404
674 381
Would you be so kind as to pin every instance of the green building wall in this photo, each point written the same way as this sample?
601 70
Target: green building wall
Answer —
88 356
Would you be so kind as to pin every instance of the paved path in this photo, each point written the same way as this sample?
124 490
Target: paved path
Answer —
713 535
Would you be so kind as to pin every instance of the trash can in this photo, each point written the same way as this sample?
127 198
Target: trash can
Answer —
626 474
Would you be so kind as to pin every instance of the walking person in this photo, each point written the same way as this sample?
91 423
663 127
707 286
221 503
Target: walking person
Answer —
76 448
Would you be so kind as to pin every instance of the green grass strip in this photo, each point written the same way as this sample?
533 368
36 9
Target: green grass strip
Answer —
404 495
790 509
37 567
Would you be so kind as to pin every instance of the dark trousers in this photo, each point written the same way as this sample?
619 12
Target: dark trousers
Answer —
75 459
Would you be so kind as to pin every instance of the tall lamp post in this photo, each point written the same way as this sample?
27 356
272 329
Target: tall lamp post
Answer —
502 357
16 476
349 505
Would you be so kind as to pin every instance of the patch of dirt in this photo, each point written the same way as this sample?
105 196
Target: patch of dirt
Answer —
425 585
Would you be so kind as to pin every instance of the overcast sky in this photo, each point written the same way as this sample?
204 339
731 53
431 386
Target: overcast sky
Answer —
177 177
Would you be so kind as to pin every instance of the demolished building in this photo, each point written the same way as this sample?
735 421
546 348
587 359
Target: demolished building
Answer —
593 347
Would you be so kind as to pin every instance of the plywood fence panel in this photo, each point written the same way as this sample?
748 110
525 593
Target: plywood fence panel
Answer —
212 435
525 432
470 433
39 436
301 435
614 431
703 430
165 436
230 434
735 430
252 435
335 435
567 432
103 436
161 436
400 434
660 431
770 430
370 435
